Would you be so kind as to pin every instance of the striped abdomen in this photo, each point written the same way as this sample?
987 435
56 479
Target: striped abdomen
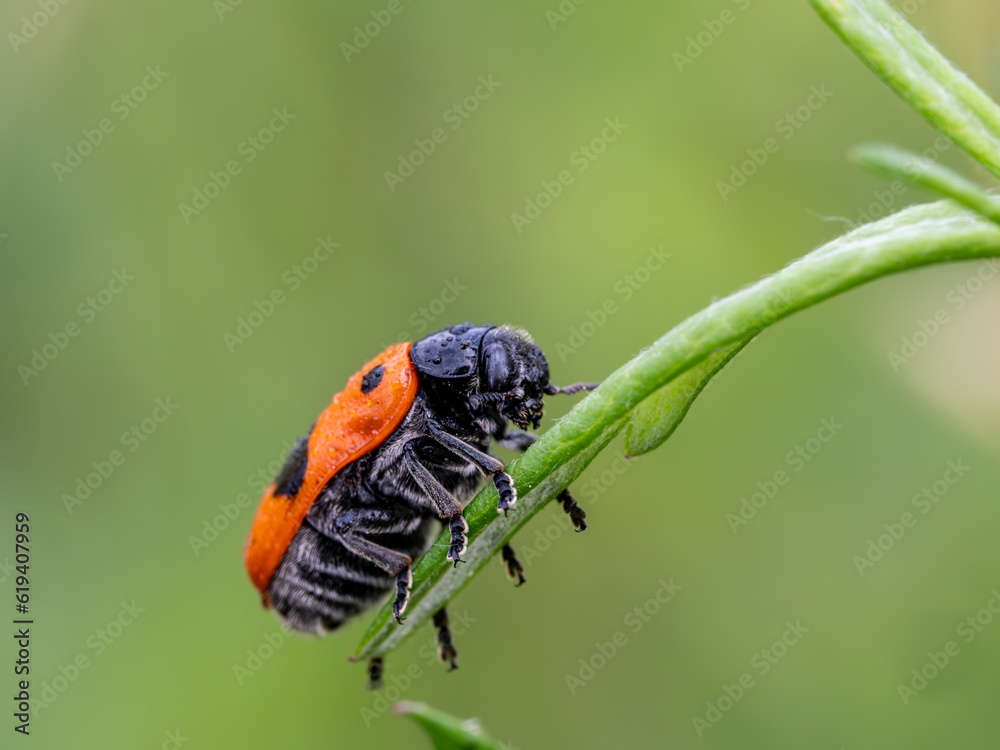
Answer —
320 583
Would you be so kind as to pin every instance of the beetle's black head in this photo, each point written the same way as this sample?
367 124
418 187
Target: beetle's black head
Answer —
495 370
513 374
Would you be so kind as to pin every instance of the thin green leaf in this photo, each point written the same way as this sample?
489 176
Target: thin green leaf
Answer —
893 162
918 73
656 418
447 732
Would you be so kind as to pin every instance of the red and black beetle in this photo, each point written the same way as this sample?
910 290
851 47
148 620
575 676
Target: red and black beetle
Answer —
399 450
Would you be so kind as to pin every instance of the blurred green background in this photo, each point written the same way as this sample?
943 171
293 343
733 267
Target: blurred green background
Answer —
185 670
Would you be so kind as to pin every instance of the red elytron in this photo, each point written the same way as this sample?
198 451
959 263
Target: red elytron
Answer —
355 423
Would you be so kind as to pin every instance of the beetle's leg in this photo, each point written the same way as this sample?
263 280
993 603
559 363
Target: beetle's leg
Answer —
375 673
459 541
404 582
446 649
575 512
552 390
491 466
515 571
388 560
484 461
522 441
448 507
382 557
506 490
517 440
349 525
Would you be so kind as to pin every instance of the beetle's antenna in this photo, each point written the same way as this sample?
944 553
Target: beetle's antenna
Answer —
552 390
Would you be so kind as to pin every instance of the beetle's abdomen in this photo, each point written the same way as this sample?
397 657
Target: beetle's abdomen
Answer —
320 583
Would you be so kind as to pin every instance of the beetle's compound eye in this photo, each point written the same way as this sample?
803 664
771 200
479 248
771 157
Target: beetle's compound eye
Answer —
500 371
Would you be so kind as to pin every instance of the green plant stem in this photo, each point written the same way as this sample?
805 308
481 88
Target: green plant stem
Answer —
916 237
954 81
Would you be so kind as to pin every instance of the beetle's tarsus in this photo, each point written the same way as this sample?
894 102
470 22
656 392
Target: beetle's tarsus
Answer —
506 490
375 667
459 542
447 652
515 571
575 512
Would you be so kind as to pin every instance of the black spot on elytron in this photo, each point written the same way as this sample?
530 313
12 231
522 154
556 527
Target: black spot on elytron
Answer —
289 481
372 378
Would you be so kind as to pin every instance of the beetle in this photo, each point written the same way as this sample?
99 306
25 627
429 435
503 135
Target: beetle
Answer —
398 451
